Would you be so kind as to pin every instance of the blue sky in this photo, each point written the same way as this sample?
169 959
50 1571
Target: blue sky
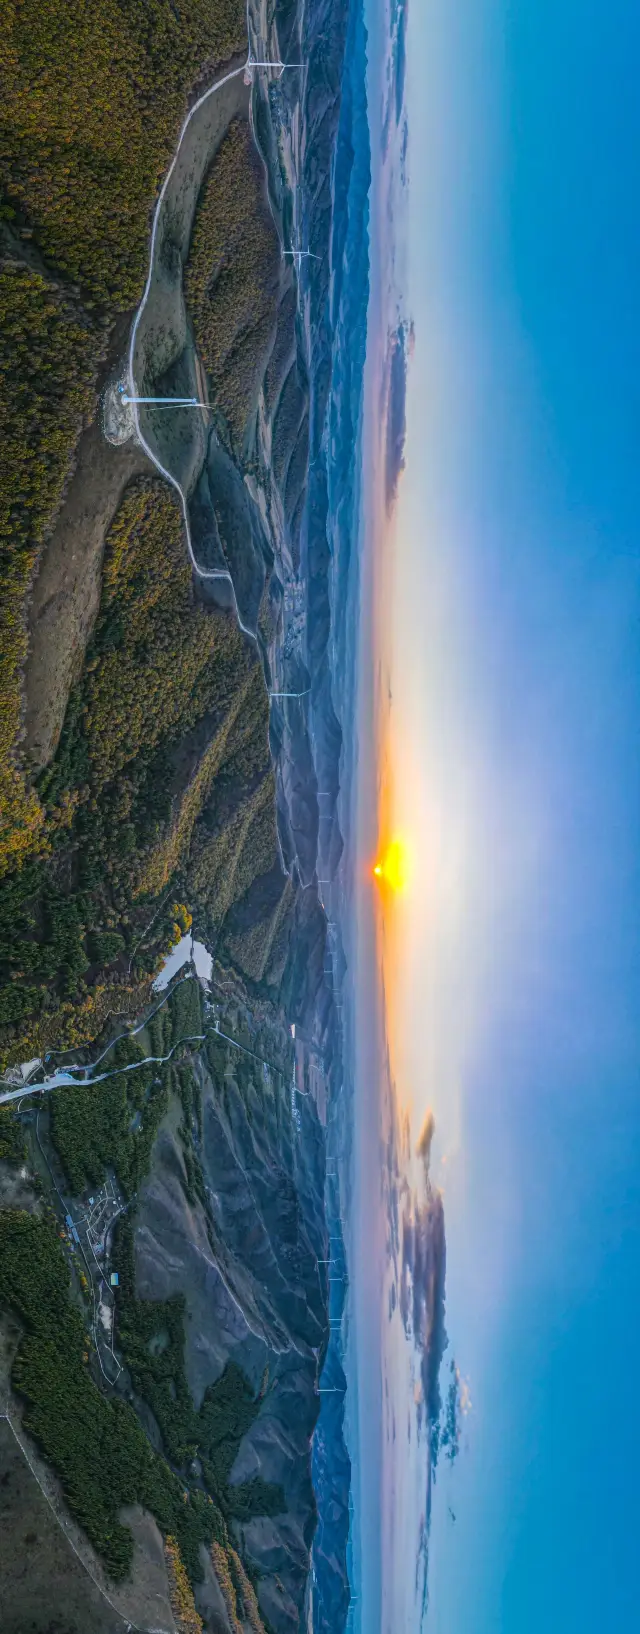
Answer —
518 568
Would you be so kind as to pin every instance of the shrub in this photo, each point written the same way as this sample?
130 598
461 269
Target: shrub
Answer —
12 1142
180 1591
105 946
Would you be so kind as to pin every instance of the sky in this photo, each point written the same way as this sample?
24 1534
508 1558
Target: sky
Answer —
511 615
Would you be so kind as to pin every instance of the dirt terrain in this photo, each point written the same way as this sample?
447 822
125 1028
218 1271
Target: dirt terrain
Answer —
46 1586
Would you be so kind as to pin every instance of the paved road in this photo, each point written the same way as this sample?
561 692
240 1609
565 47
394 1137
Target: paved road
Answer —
212 573
84 1075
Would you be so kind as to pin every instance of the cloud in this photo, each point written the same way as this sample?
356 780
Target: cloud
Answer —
425 1139
395 409
395 72
422 1290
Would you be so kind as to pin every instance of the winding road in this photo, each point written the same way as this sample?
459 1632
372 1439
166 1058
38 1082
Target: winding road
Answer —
211 573
69 1075
248 70
135 395
85 1074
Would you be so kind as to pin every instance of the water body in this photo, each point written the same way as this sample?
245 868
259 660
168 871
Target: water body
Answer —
186 951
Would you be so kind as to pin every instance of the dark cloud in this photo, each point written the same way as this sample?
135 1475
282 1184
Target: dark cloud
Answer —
416 1246
422 1288
396 412
417 1249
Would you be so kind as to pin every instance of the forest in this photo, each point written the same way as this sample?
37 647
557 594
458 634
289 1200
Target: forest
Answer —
159 801
156 813
91 100
95 1444
110 1125
87 137
161 788
232 278
48 357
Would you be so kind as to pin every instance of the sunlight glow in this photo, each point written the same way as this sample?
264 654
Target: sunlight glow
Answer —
393 869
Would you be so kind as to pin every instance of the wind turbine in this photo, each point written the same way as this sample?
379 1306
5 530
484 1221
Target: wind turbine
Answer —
163 402
298 256
303 694
269 62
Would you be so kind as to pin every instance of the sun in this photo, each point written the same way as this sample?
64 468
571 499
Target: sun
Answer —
392 868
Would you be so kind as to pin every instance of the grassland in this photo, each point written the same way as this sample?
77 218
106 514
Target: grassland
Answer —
95 1445
151 1337
287 421
283 349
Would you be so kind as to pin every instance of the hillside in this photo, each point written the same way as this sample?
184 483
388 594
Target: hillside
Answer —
163 1240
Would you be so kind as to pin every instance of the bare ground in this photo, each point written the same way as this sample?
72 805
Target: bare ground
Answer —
51 1581
44 1588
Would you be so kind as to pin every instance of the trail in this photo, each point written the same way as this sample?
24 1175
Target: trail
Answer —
208 574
